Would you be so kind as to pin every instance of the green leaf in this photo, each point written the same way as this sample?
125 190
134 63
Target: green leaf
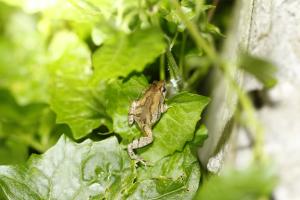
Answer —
251 184
71 171
72 98
173 177
125 53
98 170
262 69
176 126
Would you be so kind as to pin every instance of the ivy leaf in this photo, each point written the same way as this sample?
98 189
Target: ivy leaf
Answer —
72 98
125 53
98 170
176 126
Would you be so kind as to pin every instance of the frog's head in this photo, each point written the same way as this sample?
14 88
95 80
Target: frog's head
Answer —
161 86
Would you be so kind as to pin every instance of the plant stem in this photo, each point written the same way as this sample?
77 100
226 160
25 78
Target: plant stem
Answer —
181 56
246 104
201 42
162 67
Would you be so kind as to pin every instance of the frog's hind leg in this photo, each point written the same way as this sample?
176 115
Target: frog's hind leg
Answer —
131 113
139 143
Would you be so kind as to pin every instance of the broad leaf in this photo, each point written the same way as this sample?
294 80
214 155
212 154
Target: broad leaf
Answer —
174 129
176 126
98 170
125 53
73 100
71 171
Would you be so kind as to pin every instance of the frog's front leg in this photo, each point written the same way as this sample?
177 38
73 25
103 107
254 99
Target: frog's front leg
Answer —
164 108
139 143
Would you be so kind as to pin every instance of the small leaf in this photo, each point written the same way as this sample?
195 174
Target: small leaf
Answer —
126 53
262 69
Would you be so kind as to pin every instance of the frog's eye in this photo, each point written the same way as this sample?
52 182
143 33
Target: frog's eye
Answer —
163 89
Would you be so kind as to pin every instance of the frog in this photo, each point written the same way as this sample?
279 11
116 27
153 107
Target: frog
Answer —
146 112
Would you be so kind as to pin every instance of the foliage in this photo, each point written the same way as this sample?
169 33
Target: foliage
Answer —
98 170
70 70
252 183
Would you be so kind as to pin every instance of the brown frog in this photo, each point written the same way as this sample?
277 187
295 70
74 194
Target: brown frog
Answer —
146 111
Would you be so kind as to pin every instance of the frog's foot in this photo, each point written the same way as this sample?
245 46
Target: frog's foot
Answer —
142 162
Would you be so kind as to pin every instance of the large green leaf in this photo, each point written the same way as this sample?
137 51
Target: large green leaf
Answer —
71 171
125 53
98 170
176 126
72 98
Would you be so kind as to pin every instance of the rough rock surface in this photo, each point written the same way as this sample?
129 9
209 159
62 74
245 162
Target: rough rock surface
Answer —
267 28
275 34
